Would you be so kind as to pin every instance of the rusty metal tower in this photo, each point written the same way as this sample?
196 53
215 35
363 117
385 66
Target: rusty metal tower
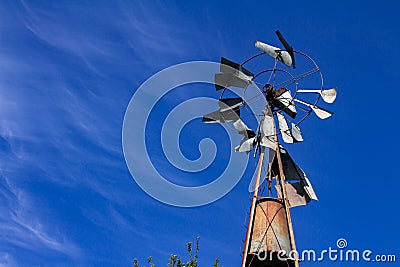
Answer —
291 90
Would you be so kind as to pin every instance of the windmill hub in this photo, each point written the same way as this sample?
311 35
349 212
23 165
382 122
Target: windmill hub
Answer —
271 94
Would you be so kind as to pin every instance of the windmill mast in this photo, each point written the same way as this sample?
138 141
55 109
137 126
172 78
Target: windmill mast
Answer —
270 230
253 206
286 201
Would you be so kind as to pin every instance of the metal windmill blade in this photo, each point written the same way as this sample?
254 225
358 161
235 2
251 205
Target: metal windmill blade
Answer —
242 129
246 145
267 127
320 112
275 52
299 189
296 133
232 74
288 48
286 56
249 137
229 111
284 129
230 103
328 95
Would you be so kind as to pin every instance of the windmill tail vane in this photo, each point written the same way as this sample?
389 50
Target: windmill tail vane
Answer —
288 104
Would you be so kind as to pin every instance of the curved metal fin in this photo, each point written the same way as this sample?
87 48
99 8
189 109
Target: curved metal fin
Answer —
224 80
284 128
309 189
233 74
240 126
230 103
296 133
229 111
249 137
213 117
329 95
291 170
275 52
268 129
242 129
246 145
320 112
219 116
288 48
295 193
228 66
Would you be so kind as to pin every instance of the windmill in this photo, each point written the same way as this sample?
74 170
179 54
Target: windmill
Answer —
287 104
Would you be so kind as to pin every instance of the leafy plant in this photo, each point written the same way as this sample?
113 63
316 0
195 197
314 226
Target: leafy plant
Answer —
175 260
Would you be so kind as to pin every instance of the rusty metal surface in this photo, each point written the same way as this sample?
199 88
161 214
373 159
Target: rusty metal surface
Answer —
295 193
270 229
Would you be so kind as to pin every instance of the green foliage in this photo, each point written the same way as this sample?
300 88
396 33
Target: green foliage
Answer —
216 263
175 261
150 261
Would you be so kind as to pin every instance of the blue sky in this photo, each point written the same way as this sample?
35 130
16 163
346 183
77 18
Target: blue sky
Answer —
68 70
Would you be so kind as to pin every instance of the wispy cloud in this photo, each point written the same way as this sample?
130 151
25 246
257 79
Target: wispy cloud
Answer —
23 225
67 72
6 260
